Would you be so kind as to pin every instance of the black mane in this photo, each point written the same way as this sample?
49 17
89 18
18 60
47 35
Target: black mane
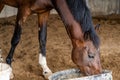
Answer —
82 15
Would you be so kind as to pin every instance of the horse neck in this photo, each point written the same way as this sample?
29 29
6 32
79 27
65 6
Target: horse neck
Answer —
82 15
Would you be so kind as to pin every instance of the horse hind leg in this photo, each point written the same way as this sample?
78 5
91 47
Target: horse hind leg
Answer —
42 20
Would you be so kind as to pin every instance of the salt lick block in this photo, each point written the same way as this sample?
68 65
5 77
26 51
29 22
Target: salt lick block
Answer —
5 71
74 74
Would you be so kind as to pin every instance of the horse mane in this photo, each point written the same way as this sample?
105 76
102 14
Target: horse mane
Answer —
82 15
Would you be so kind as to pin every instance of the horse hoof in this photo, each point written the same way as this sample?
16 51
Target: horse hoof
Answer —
47 74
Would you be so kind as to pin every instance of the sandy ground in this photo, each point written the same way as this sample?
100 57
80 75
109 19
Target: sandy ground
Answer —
25 65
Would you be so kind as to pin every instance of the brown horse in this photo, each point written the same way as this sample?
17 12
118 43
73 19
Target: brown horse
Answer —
78 23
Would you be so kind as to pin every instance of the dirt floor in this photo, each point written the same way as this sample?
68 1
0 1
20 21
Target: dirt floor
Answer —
25 65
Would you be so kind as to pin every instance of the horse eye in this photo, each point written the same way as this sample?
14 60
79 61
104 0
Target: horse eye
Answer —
86 48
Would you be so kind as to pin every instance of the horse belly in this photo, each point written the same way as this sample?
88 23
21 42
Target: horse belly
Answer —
12 3
41 6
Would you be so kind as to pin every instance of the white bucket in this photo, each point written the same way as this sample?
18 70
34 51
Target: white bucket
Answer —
66 75
5 71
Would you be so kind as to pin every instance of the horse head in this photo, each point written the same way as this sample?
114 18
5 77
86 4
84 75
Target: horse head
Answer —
87 56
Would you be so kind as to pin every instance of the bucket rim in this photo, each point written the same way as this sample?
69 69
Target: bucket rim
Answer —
76 70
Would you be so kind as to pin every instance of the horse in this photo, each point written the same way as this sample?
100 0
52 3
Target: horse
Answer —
77 19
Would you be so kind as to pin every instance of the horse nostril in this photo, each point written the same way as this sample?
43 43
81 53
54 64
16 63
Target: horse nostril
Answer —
91 55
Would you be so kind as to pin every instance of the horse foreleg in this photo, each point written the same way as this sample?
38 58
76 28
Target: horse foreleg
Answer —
21 17
14 42
42 20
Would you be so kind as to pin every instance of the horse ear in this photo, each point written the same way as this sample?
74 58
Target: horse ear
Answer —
97 27
87 35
